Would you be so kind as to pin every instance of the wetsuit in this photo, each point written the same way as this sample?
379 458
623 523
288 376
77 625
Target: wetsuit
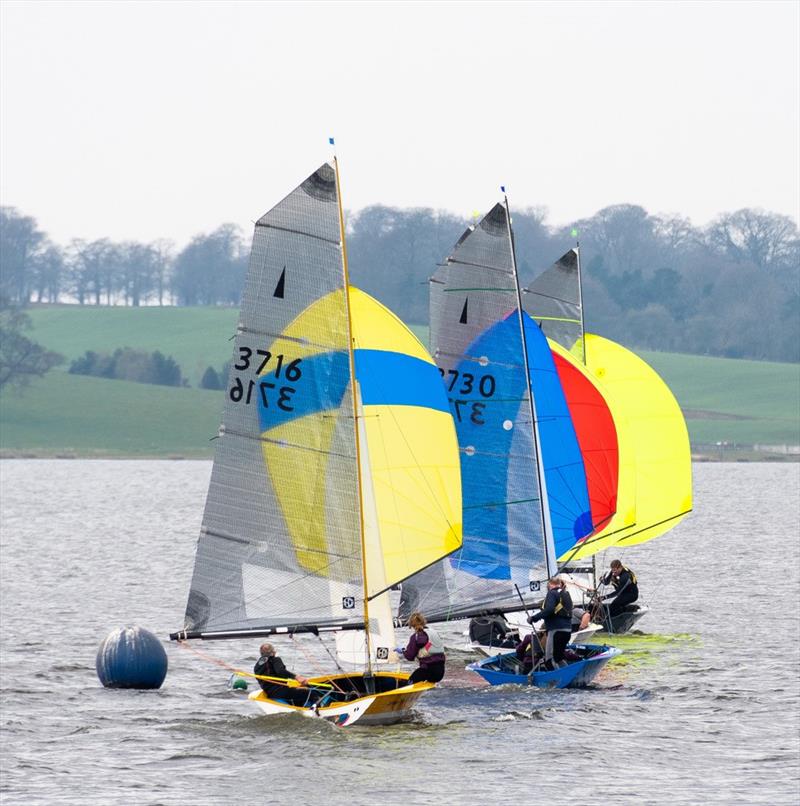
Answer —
427 647
273 666
626 590
557 614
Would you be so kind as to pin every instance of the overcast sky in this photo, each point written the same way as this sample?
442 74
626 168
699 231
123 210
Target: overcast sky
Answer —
165 119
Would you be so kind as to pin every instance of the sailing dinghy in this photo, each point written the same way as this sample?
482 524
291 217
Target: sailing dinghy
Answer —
336 470
632 433
524 486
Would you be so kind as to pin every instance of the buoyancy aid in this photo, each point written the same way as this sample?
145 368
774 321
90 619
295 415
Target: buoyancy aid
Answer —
563 607
435 645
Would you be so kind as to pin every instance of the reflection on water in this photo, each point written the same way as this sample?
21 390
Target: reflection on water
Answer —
701 708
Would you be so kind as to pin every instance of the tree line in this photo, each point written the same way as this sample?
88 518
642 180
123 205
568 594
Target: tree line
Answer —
649 281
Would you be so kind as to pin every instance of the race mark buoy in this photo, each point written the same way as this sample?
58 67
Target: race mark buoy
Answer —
131 657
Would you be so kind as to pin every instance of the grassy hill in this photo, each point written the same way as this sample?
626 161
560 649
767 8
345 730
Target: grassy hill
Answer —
195 337
724 400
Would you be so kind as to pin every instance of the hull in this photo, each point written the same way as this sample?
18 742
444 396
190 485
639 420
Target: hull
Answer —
503 669
623 622
578 637
349 701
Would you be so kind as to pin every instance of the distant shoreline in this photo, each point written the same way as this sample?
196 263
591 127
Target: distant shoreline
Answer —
726 456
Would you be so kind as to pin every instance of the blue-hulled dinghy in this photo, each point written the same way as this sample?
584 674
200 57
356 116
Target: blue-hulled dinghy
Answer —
585 661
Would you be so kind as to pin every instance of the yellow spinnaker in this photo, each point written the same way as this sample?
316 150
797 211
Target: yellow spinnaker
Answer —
412 495
652 439
625 515
415 470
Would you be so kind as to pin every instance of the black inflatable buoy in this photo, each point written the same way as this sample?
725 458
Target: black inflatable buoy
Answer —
131 657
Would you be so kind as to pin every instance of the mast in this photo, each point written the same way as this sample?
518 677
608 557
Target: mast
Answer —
549 552
580 302
355 393
583 356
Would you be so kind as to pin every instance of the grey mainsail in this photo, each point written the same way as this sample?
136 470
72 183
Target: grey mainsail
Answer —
554 301
280 538
476 340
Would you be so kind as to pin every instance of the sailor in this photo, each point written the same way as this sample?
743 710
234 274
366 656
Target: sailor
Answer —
529 651
426 646
269 665
493 631
626 588
557 614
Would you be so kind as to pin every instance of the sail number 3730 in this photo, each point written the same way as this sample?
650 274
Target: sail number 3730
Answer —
258 360
465 383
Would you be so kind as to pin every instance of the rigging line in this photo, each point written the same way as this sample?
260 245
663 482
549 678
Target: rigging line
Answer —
313 664
286 681
529 290
331 656
620 540
306 549
451 260
299 232
592 539
557 319
282 443
451 290
501 503
278 337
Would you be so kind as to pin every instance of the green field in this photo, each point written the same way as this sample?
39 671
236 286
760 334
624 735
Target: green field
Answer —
725 400
195 337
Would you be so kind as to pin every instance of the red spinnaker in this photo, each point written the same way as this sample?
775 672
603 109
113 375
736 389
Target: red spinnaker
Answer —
597 438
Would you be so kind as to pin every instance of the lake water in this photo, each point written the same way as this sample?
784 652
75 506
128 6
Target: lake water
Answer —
702 708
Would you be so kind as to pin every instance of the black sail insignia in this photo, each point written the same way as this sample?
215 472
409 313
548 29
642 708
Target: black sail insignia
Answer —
279 288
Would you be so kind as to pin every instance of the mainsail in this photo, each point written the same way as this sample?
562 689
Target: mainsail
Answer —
477 340
554 300
282 545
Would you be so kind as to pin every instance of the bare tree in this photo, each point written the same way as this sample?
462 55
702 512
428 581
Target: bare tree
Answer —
20 358
20 241
767 240
164 250
48 273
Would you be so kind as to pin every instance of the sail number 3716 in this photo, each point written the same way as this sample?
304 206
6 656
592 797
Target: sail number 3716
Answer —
258 360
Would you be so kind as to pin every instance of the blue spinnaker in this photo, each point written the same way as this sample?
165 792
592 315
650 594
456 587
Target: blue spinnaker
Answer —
565 474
